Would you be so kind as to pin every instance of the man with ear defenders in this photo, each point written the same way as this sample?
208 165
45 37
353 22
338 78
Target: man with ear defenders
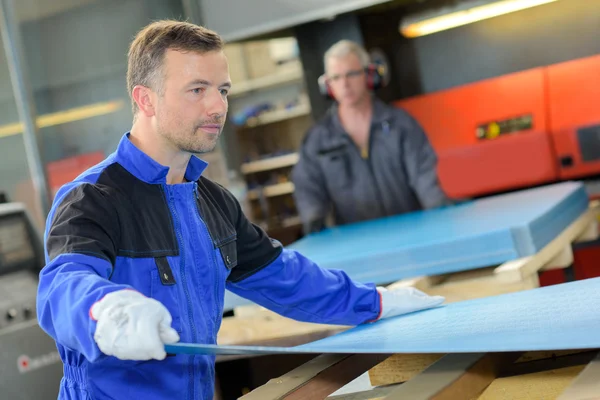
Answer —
364 159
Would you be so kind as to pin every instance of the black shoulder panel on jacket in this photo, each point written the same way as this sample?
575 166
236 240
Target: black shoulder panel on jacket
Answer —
147 229
85 222
245 247
119 215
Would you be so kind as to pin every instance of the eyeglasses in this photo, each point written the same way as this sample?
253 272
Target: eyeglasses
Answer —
350 74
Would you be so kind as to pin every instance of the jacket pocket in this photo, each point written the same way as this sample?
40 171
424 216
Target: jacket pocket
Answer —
164 288
228 251
336 165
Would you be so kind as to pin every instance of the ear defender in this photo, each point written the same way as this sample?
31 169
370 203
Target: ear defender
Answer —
375 74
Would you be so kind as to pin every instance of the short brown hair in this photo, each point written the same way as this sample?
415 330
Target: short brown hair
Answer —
147 50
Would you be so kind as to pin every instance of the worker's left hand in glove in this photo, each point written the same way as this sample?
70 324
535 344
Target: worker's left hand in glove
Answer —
405 300
132 326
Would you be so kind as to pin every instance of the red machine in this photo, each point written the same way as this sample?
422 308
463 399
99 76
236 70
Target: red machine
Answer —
574 113
515 131
467 127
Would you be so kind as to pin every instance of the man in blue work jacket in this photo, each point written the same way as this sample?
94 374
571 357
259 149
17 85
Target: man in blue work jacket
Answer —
141 247
364 159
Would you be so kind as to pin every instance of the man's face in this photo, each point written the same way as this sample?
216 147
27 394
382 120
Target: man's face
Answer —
192 109
346 78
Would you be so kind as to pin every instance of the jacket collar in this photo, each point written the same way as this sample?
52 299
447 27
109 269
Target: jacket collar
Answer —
381 113
146 169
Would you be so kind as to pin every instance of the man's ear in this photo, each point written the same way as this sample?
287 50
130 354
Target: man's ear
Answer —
144 98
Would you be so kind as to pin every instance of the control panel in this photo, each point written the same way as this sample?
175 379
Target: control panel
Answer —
20 251
17 298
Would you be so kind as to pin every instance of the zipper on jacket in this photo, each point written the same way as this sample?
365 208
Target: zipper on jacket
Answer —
373 178
215 264
191 364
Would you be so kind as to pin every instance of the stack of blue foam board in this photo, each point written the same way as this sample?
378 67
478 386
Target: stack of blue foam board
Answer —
475 234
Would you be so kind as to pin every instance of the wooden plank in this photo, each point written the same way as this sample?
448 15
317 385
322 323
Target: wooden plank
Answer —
318 378
420 282
455 376
401 368
586 386
539 385
547 364
563 259
262 327
591 232
377 393
467 285
543 355
336 376
517 270
278 388
477 284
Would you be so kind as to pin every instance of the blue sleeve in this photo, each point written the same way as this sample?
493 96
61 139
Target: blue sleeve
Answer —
80 252
68 288
297 288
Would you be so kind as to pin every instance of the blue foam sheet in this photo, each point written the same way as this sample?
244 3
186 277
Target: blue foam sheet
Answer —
476 234
560 317
480 233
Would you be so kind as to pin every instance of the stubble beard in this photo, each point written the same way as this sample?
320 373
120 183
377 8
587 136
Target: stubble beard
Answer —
192 140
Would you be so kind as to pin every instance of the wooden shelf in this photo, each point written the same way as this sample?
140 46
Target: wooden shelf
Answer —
288 222
272 190
286 75
268 164
270 117
291 221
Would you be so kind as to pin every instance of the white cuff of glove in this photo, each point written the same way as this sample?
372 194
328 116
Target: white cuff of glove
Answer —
405 300
132 326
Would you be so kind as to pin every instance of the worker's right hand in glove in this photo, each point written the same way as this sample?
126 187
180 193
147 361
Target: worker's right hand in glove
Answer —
405 300
131 326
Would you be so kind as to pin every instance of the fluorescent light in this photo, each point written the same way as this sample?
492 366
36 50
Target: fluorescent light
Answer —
452 17
63 117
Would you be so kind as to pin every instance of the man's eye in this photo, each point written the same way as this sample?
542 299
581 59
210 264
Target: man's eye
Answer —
197 90
224 92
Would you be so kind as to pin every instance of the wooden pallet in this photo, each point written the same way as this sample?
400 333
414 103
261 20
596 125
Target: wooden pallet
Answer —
566 375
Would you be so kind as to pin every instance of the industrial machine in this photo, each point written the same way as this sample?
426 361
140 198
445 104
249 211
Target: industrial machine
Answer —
30 366
519 130
574 114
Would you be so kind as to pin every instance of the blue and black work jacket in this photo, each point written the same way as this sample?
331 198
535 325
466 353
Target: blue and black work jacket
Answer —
121 226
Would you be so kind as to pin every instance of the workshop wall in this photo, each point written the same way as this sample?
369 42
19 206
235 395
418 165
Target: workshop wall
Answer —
539 36
75 58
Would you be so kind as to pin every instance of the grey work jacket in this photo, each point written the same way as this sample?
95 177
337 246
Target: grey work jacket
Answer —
398 176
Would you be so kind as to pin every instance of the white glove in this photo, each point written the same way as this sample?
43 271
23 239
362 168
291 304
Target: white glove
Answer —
405 300
132 326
